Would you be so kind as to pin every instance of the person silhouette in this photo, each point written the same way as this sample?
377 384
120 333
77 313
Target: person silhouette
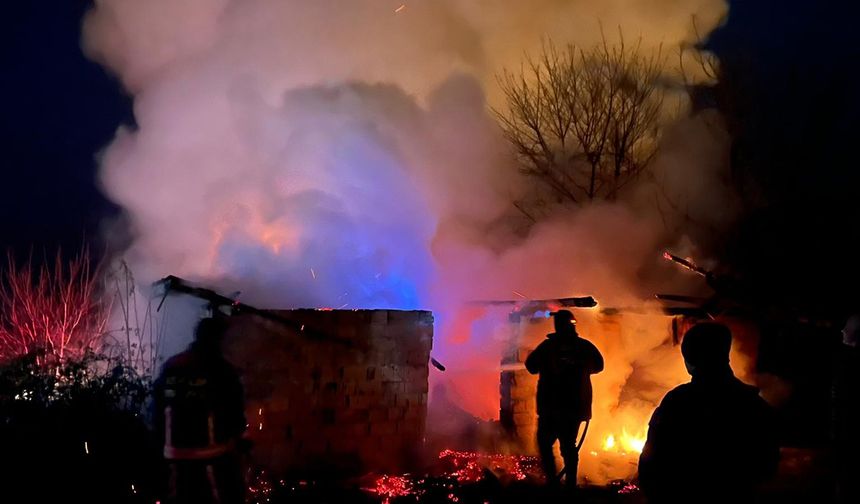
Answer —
200 420
712 439
564 362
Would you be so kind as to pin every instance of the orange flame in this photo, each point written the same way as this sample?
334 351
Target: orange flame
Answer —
625 443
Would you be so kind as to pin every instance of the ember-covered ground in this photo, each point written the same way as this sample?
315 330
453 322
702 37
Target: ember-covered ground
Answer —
458 476
439 491
469 477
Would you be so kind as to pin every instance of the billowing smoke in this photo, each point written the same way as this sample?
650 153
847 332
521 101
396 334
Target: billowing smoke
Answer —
341 154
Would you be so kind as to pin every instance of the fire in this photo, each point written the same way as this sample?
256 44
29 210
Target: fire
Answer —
609 443
625 443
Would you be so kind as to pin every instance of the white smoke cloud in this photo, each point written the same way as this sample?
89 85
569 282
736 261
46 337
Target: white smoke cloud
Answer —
293 42
255 115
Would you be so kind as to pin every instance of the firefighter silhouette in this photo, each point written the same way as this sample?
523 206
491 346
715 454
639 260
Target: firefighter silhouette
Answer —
712 439
565 363
199 418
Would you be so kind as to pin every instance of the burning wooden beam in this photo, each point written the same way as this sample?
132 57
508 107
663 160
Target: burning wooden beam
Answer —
686 264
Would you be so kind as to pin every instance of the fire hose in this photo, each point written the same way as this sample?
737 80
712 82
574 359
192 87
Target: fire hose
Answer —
578 446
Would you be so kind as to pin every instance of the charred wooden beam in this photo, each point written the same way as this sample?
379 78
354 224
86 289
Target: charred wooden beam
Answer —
174 285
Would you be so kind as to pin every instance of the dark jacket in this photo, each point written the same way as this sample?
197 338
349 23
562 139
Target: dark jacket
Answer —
565 363
710 440
205 398
846 397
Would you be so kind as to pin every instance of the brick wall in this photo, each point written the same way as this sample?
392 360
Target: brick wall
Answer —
315 405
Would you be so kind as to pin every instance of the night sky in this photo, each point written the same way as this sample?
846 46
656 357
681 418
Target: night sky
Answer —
791 99
59 110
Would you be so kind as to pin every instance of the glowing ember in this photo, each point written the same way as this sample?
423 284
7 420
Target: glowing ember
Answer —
470 466
628 488
260 488
389 487
464 468
400 9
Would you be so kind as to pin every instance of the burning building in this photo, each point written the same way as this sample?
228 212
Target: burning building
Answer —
346 391
365 169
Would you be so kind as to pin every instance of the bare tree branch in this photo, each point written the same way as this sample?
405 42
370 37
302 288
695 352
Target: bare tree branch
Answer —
584 123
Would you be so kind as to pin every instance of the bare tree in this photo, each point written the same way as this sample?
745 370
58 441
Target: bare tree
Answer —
64 309
56 309
583 123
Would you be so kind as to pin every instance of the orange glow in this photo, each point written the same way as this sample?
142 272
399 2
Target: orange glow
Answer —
277 237
641 365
